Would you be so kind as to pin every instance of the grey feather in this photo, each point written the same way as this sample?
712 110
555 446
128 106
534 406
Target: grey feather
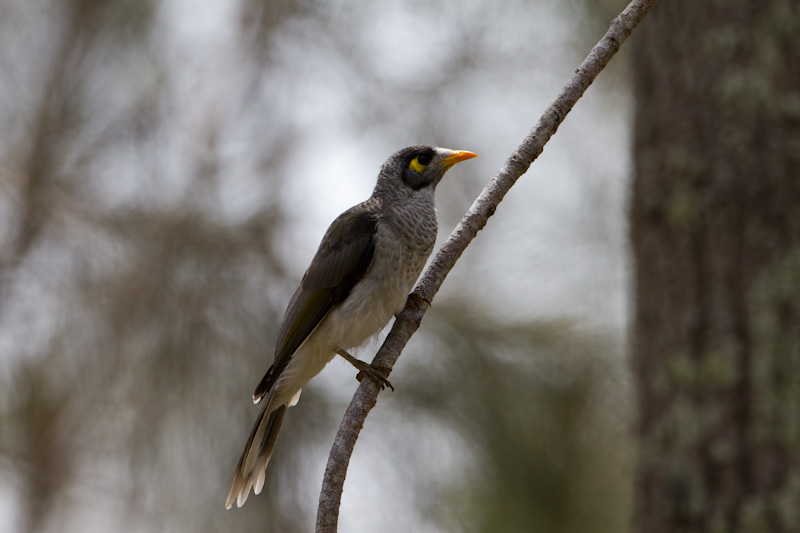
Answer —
359 278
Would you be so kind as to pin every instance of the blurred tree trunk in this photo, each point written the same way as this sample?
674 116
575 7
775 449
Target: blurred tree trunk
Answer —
715 230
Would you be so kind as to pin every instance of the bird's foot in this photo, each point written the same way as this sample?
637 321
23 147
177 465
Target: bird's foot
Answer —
373 372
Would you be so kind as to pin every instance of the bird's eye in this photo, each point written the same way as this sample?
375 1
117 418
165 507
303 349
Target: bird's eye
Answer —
420 162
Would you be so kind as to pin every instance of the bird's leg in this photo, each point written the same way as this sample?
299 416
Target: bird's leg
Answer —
366 369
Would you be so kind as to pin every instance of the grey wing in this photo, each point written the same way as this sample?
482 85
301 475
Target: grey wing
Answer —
341 261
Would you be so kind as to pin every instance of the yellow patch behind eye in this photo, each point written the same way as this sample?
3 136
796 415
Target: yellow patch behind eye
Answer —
416 165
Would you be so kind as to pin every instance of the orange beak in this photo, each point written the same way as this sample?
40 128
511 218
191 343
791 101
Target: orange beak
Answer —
457 157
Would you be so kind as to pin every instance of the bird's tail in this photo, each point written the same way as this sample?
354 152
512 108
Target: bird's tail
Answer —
252 467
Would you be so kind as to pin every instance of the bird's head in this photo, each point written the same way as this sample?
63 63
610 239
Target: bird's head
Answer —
420 167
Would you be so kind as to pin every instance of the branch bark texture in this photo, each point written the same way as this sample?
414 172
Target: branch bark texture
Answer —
473 221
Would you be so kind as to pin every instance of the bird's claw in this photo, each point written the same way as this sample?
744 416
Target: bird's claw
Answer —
370 372
373 372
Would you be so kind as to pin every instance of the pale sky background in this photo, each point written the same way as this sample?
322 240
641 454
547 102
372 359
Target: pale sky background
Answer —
555 248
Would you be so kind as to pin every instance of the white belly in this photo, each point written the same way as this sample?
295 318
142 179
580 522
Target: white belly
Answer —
368 308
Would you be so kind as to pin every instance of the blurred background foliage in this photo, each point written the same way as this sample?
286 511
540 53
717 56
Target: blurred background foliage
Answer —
166 172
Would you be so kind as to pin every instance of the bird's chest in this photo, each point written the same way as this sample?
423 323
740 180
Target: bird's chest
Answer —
401 251
381 294
405 249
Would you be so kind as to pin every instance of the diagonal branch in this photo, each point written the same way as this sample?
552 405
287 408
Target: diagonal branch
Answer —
473 221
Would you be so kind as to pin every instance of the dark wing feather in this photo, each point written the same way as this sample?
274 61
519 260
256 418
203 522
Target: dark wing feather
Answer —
341 261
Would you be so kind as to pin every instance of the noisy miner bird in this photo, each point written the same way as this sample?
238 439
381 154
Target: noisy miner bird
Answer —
360 277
